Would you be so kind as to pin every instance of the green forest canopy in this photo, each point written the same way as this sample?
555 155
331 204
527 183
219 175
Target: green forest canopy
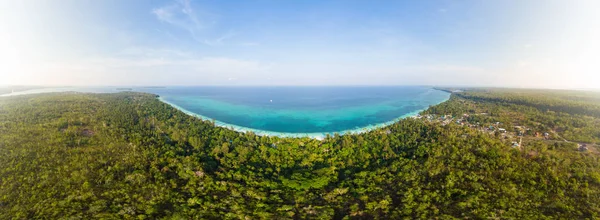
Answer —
128 155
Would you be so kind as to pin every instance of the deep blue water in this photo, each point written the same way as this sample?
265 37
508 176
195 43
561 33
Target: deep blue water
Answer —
297 109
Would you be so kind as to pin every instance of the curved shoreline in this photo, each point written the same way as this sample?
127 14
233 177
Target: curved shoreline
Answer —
316 135
242 129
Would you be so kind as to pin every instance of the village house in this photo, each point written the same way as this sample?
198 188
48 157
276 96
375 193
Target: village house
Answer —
546 135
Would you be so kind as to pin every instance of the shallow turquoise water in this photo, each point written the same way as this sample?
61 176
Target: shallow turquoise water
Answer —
294 111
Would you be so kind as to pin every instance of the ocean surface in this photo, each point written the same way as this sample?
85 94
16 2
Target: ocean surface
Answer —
291 111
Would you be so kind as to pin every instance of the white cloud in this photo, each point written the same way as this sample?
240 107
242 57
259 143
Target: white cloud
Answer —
219 40
154 52
182 15
142 71
250 44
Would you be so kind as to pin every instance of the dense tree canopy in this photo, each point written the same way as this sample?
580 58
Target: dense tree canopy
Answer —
128 155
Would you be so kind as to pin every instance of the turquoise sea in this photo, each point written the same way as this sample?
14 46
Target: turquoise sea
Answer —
292 111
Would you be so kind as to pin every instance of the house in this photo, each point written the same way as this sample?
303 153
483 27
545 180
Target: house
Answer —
583 147
515 144
502 130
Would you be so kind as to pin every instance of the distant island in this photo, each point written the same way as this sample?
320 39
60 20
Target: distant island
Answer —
12 89
142 87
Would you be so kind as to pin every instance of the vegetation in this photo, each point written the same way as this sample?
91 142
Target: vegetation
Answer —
572 115
128 155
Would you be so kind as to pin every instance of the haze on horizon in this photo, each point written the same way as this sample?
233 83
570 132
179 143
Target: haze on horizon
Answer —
512 43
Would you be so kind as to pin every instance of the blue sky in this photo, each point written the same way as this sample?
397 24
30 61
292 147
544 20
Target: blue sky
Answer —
524 43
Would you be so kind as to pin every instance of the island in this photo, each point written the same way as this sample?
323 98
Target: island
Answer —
484 153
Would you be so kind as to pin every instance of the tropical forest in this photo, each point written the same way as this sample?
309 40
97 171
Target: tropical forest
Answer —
485 153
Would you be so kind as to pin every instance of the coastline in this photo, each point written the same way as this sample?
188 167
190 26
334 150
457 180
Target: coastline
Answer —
316 135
